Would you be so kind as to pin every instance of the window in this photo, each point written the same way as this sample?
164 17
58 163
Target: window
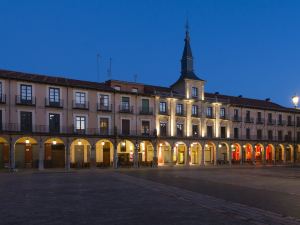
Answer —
135 90
145 127
194 92
236 115
125 127
54 122
1 126
236 132
289 136
26 93
209 130
270 135
248 133
298 136
104 100
179 109
26 121
80 123
125 103
104 126
195 130
209 112
194 110
54 95
118 88
280 137
223 132
279 119
145 105
163 107
179 128
1 88
163 129
289 120
298 121
222 113
248 113
80 98
270 120
259 134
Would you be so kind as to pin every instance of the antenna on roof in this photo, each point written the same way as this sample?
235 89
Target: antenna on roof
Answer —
135 78
98 62
109 71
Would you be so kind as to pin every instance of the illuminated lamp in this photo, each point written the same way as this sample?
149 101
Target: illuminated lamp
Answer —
27 141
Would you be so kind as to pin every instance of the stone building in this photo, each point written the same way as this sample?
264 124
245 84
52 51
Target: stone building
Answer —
53 122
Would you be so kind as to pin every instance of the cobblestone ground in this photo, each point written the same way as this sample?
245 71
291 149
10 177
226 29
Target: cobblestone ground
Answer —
152 196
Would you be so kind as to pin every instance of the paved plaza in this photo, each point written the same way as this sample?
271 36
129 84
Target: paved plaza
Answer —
266 195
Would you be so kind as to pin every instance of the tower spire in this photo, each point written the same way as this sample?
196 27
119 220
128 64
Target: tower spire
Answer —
187 57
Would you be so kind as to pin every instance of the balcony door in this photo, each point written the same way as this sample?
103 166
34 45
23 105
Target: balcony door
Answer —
125 127
54 122
104 126
26 121
26 94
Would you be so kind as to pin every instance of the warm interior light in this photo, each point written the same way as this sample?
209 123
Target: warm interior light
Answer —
232 146
206 145
220 146
102 143
244 146
160 144
176 145
192 145
79 142
54 142
295 100
123 143
27 141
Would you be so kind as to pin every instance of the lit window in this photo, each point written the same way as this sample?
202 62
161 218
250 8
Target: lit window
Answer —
194 92
80 98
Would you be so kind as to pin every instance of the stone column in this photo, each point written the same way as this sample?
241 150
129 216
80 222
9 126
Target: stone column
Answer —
12 164
68 159
155 158
253 155
172 155
115 157
243 151
203 155
284 155
93 156
41 155
136 155
187 156
230 155
216 154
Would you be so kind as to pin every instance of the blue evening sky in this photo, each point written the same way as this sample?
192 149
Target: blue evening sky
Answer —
242 47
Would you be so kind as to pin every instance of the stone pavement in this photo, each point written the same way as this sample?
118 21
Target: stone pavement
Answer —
127 197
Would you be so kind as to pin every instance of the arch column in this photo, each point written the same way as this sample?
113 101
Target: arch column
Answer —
41 154
215 154
68 157
229 154
284 154
155 158
203 155
12 162
93 156
253 155
188 154
115 156
136 155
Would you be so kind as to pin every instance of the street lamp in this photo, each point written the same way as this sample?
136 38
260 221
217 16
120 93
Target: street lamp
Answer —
295 100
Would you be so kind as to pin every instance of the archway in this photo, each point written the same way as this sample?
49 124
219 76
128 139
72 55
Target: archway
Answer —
289 151
247 154
222 153
209 152
236 153
269 153
279 153
26 153
125 153
259 149
195 153
55 155
80 153
164 153
180 152
298 153
104 153
146 153
4 153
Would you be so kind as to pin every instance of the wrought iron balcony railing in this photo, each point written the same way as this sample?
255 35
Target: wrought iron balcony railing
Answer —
54 104
29 101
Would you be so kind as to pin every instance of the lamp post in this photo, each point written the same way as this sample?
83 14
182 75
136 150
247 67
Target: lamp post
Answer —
295 100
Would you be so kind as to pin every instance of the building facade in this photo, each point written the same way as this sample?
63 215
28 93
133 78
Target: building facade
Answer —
53 122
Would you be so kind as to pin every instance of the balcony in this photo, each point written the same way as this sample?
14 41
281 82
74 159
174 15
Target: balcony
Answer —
146 111
210 116
290 123
271 122
180 113
2 98
260 121
164 112
237 119
224 117
54 104
249 120
104 108
83 105
298 124
125 108
27 102
281 122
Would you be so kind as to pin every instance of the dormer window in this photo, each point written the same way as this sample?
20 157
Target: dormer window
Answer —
134 90
118 88
194 92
